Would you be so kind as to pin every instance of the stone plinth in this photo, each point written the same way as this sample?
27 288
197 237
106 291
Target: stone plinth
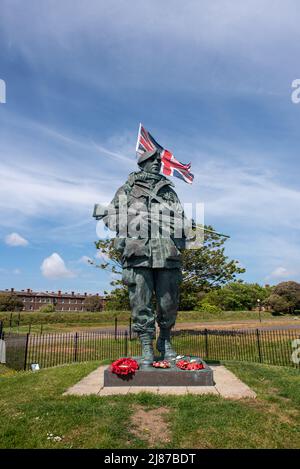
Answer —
150 376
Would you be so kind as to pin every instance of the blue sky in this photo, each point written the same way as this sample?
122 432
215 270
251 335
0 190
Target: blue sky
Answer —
210 80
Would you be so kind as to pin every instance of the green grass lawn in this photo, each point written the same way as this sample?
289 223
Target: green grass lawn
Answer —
72 321
33 412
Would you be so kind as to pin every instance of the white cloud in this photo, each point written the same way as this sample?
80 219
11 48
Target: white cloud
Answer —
17 271
54 267
14 239
281 272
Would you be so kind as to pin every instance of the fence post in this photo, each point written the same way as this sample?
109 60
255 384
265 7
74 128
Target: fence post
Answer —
41 328
10 321
126 344
130 329
26 352
206 343
116 328
75 346
1 329
258 346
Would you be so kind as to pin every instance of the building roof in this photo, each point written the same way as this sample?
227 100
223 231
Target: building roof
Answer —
52 294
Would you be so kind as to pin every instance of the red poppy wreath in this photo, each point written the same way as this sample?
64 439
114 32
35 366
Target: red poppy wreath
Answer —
124 366
187 365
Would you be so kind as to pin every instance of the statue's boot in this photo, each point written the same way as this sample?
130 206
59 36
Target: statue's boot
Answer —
147 349
164 346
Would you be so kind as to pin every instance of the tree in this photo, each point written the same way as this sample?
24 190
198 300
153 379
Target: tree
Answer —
208 266
93 303
277 303
237 296
118 300
290 292
10 302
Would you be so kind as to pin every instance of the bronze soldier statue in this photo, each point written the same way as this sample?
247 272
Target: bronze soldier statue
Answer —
151 260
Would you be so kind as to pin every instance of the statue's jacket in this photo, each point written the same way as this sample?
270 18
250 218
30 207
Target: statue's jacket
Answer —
144 238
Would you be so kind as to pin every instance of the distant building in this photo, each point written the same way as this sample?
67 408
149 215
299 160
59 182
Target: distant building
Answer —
62 301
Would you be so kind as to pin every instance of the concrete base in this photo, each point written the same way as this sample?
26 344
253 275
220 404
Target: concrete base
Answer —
226 385
150 376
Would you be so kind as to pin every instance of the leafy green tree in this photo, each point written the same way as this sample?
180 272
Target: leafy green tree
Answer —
47 309
10 302
208 266
277 303
118 300
237 296
290 292
93 303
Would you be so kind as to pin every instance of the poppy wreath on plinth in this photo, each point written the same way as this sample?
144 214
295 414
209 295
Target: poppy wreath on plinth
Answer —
124 366
189 365
162 364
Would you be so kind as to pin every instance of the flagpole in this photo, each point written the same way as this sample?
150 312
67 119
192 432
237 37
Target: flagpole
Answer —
137 142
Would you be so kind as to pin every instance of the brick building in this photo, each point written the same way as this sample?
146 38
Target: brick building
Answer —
33 301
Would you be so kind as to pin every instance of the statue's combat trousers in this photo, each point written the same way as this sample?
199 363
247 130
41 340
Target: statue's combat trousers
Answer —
142 283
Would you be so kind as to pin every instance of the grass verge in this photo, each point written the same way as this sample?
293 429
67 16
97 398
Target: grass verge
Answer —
35 414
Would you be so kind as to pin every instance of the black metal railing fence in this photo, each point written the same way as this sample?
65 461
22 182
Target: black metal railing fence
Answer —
275 347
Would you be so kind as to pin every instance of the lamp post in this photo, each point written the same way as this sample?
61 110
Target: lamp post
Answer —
259 309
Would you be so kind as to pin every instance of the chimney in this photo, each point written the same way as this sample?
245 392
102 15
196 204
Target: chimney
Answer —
59 292
28 290
12 289
85 293
72 293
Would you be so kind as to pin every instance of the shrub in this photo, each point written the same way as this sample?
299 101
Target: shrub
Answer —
237 296
47 309
290 293
208 308
10 302
277 303
93 303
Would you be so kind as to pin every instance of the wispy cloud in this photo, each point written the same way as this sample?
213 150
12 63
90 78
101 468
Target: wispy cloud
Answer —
14 239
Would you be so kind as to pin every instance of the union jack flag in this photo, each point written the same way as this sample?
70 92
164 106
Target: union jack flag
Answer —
169 165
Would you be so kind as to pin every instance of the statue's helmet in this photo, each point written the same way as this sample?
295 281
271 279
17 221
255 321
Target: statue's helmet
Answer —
148 154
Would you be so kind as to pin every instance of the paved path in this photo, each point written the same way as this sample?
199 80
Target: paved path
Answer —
226 385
